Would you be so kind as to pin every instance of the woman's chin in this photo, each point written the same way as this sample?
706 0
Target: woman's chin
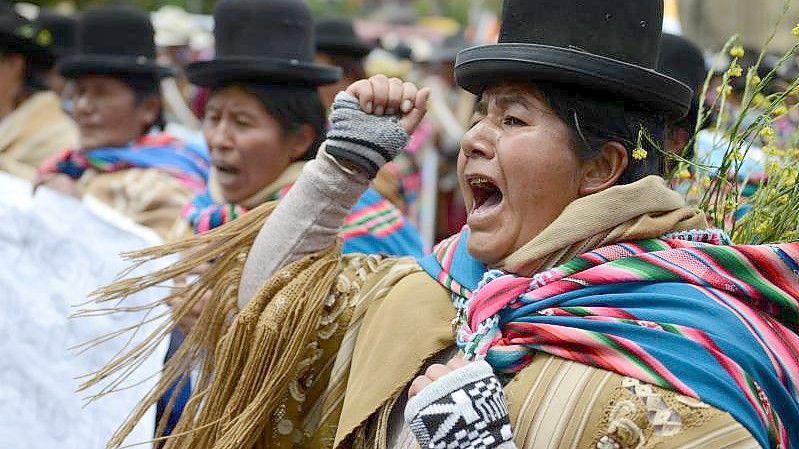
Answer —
231 195
486 247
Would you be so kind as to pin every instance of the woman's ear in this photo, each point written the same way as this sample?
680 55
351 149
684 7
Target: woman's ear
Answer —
300 141
604 171
148 110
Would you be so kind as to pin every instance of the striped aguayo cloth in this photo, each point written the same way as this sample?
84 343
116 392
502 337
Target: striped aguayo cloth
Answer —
686 312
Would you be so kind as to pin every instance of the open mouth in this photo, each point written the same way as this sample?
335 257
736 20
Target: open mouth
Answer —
486 194
226 174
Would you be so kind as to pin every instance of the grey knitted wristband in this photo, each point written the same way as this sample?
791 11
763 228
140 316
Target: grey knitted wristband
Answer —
368 141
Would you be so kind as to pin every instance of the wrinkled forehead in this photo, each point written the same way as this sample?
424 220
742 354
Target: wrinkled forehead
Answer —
232 95
510 93
235 98
117 85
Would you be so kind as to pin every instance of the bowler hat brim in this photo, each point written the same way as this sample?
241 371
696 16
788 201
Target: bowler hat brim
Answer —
39 54
479 67
261 70
352 47
89 64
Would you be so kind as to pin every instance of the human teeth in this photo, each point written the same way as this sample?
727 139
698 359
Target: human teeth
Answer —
479 180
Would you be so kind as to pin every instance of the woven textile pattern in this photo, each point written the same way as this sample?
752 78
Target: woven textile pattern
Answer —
684 312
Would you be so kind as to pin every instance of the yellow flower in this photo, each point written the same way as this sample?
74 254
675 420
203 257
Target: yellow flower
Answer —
791 236
782 200
791 177
779 111
795 30
755 80
706 182
771 150
730 205
762 229
737 155
767 133
44 38
639 154
773 166
760 100
724 90
737 52
684 174
735 70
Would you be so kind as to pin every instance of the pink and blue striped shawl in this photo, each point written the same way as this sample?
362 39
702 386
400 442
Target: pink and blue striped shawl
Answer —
686 312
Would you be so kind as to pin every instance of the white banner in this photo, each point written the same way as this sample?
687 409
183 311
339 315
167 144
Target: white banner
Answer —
54 251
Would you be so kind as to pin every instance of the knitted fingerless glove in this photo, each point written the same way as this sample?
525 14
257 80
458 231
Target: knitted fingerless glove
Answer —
368 141
464 409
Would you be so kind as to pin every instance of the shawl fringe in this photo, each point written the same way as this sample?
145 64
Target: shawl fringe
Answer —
270 336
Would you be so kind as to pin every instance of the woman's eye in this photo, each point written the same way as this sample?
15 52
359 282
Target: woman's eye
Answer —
514 121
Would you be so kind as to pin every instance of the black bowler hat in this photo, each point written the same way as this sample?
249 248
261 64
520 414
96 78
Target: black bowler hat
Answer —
337 35
263 41
60 31
682 60
114 41
18 35
606 46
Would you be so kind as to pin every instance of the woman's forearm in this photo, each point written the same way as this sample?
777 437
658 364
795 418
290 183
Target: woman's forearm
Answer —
306 221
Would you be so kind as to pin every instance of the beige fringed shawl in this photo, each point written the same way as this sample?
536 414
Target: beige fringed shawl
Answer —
320 355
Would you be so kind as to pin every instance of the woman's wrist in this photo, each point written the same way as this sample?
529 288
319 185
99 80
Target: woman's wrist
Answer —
346 166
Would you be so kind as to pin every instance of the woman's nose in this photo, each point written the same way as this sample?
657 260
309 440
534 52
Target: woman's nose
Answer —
218 136
479 141
82 104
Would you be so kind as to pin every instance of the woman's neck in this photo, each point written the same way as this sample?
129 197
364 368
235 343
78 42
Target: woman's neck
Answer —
10 99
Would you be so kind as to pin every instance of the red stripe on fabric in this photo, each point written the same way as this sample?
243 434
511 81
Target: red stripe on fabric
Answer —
585 348
493 297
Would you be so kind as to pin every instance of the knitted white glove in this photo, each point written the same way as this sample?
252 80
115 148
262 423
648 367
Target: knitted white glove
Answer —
464 409
368 141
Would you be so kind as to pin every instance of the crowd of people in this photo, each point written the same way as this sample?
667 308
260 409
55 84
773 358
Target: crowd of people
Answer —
459 246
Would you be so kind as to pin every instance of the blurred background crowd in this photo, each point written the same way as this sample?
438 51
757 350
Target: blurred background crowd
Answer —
183 115
413 40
